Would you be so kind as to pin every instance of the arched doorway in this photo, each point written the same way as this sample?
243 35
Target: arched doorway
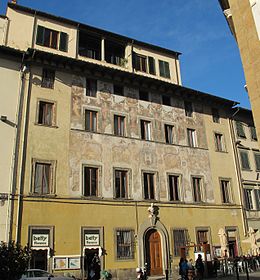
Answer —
153 252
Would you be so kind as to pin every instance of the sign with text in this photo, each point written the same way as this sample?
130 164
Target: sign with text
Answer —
91 239
40 240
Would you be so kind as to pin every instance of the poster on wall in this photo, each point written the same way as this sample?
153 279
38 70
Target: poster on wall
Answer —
60 263
74 263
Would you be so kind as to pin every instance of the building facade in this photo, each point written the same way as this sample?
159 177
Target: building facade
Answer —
243 18
119 164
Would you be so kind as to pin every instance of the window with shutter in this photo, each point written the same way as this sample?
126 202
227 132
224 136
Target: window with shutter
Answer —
164 69
151 62
40 35
148 181
248 199
240 130
253 133
90 181
257 199
257 161
244 160
63 42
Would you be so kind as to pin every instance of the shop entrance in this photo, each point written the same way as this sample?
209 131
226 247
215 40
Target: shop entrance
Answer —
39 259
92 264
153 253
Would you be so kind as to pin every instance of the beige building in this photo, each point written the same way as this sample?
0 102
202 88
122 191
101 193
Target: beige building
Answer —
117 159
243 18
10 79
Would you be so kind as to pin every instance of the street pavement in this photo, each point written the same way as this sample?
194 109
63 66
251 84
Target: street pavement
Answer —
252 276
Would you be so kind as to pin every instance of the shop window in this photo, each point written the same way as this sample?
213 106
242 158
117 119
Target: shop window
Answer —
124 244
144 95
215 115
145 130
225 191
197 189
91 120
168 129
43 174
119 125
48 78
244 160
240 129
253 133
51 38
89 46
174 187
180 240
188 109
91 88
248 199
149 185
219 141
121 182
45 113
166 100
164 69
90 181
192 139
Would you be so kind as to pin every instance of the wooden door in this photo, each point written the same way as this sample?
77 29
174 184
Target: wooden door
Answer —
154 254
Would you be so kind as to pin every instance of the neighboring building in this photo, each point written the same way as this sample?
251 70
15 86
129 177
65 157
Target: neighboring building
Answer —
10 80
243 18
248 158
117 159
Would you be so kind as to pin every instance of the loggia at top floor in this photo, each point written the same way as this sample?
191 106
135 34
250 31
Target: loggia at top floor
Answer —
24 28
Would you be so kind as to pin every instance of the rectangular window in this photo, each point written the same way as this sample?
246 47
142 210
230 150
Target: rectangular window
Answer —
144 95
124 244
164 69
90 181
248 199
145 130
257 199
257 161
180 239
119 125
114 53
140 63
45 113
91 88
52 39
148 185
240 130
253 133
48 78
174 181
166 100
89 46
90 120
121 184
168 133
119 90
42 183
197 189
192 140
244 160
151 63
219 142
202 237
225 191
188 109
215 115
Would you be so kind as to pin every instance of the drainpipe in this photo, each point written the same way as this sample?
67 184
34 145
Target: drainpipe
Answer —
238 171
11 195
23 160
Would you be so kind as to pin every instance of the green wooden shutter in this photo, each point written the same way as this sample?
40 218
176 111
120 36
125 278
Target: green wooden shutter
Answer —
257 161
40 35
151 65
63 42
253 133
240 130
167 70
244 160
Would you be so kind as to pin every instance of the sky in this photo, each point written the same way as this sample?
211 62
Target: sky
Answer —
210 60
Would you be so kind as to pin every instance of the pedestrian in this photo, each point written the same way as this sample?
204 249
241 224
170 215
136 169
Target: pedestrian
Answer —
183 268
199 267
